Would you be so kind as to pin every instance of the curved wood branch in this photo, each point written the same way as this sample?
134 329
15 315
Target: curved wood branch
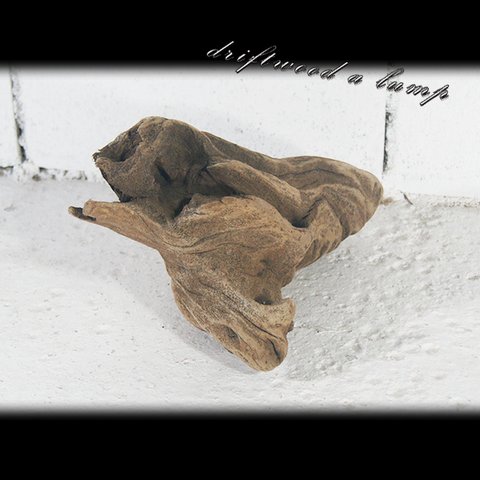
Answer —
232 225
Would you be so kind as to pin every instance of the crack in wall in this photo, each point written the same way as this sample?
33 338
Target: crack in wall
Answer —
6 170
18 115
388 122
389 118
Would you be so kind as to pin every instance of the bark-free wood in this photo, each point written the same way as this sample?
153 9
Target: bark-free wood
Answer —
232 225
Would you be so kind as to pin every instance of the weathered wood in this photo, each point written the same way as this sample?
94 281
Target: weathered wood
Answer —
232 225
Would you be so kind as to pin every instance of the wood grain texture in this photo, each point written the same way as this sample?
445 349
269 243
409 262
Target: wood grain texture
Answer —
232 225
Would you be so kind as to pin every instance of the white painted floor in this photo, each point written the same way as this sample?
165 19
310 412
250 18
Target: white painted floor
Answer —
390 320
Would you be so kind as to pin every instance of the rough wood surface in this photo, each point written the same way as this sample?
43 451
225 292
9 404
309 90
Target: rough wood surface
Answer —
232 225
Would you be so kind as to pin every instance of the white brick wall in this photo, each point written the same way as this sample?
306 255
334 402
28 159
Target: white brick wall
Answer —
69 113
435 149
8 135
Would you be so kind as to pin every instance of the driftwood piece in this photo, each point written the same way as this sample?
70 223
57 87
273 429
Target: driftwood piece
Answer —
232 225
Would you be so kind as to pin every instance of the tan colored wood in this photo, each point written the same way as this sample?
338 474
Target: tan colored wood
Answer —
232 225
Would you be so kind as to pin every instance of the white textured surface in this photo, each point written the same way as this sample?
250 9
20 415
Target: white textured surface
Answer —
87 318
69 114
8 135
435 149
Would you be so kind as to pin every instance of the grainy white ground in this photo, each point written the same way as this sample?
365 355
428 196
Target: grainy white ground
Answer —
391 319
